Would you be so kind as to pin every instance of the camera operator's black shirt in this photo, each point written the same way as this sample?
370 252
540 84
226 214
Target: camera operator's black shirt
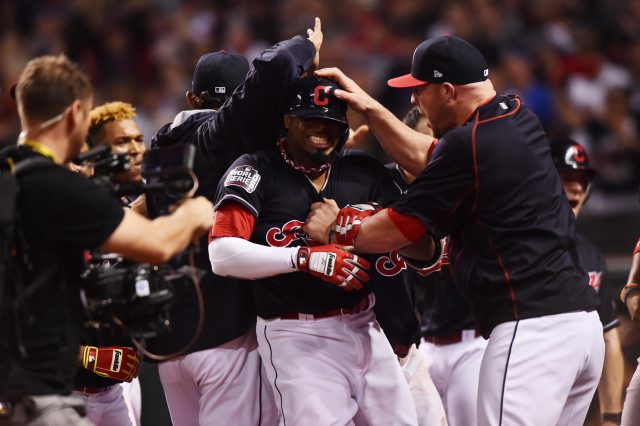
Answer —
251 119
491 185
62 213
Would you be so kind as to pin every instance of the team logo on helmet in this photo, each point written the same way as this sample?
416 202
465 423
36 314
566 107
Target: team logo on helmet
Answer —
578 154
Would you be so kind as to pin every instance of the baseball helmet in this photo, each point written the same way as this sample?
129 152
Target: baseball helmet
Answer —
313 97
568 154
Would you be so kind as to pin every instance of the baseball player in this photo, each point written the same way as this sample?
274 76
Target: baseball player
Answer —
451 345
630 297
219 379
490 184
326 357
576 174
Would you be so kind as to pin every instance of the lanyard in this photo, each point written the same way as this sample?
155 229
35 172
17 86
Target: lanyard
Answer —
40 149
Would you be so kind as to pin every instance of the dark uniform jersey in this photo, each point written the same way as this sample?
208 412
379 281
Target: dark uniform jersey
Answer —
491 185
441 307
280 198
249 120
593 263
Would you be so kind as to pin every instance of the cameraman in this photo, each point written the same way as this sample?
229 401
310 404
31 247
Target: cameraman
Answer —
61 214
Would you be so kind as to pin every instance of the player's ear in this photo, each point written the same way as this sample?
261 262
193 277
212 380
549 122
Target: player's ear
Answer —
287 121
190 100
449 91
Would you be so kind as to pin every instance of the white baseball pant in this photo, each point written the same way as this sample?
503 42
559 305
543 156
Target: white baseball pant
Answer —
428 404
332 371
133 398
219 386
631 409
455 371
106 408
541 371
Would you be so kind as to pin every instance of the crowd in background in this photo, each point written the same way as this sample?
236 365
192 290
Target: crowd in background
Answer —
576 63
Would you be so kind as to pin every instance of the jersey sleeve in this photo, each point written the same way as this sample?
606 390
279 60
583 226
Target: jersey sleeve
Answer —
443 186
243 183
252 118
83 214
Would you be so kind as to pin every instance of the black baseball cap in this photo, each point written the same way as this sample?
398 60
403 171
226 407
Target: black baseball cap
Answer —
219 73
444 59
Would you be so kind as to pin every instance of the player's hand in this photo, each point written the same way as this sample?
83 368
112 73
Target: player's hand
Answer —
333 264
357 98
316 37
349 220
320 220
356 136
114 362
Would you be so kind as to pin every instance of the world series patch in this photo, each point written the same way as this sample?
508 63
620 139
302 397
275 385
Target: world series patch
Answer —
246 177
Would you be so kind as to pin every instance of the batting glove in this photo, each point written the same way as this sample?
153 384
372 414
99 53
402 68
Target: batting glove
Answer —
334 265
349 220
113 362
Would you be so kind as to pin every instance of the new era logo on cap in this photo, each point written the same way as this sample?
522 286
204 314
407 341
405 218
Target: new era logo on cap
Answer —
444 59
220 89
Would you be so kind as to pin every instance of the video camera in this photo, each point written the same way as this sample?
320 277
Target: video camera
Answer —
126 296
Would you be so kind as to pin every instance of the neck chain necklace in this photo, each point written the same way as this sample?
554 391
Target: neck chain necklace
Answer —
306 170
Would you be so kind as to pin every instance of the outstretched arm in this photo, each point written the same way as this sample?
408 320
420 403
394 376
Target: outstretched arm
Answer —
404 145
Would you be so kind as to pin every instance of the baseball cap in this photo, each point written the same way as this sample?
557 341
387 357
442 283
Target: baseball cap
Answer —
444 59
219 73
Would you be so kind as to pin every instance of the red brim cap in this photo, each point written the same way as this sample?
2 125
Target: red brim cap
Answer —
405 81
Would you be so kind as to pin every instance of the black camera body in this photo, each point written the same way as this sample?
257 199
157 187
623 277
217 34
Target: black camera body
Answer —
127 297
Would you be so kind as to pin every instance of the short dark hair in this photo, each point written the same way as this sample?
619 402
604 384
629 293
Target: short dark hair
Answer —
412 117
205 100
48 85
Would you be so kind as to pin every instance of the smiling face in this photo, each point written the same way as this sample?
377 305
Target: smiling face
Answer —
310 140
575 184
125 136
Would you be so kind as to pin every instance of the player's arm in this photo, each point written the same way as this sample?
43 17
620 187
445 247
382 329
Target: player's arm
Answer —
260 99
611 382
630 294
407 147
327 223
231 254
158 240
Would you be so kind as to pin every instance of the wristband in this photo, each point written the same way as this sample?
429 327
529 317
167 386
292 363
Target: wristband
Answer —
628 289
612 417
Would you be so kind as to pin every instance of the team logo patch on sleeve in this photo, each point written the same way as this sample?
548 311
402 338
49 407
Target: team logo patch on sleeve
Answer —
246 177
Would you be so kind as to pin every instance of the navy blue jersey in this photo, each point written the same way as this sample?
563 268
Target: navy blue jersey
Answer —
593 263
491 185
437 301
280 198
248 121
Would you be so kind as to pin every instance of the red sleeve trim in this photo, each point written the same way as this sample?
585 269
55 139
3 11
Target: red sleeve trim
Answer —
410 226
232 220
431 148
637 249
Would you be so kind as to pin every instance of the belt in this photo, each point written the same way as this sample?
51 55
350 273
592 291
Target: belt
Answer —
361 306
452 338
90 390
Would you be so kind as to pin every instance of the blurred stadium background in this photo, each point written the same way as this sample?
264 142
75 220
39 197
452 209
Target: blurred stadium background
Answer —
576 63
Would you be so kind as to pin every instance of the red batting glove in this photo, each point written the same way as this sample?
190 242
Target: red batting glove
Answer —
113 362
349 220
334 265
